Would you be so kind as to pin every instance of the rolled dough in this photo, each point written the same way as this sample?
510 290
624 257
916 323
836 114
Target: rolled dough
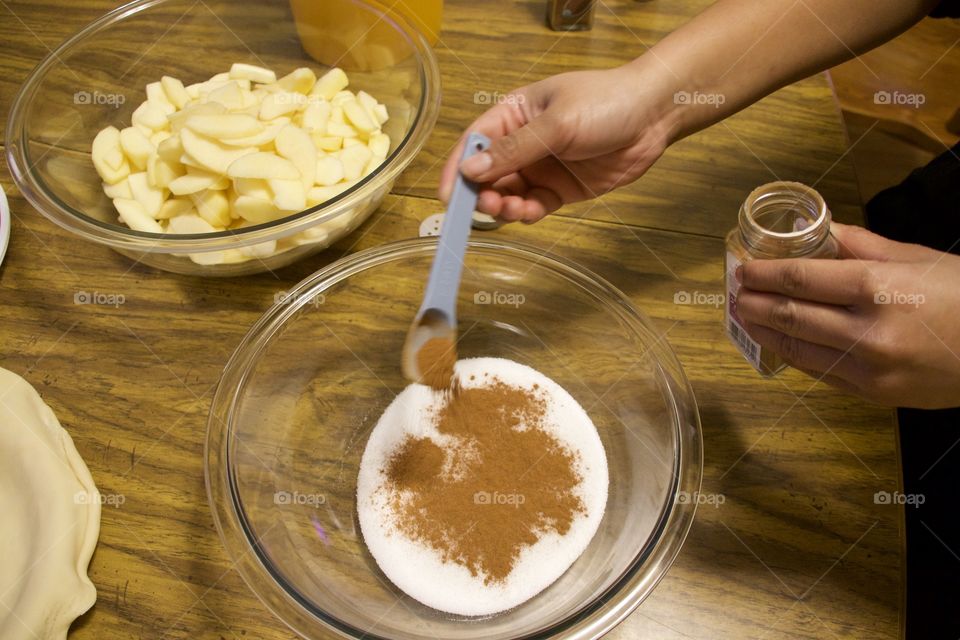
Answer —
50 522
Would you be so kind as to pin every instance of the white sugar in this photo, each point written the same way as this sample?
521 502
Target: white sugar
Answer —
418 569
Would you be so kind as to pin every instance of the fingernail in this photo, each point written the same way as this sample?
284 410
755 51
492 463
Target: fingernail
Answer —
477 165
738 274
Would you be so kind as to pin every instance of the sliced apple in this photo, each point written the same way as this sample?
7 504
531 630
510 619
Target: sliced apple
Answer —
238 149
209 154
158 96
150 198
315 116
213 206
380 111
329 171
118 190
330 83
228 95
151 115
225 125
263 165
314 235
299 80
190 223
256 210
261 139
173 207
170 149
254 188
295 144
354 159
368 101
134 216
379 144
193 183
178 119
340 97
259 250
161 172
241 71
175 91
319 195
371 166
288 195
340 130
328 143
359 117
105 142
136 147
115 158
280 104
157 137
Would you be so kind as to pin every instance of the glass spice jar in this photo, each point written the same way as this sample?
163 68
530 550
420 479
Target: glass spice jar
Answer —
777 220
570 15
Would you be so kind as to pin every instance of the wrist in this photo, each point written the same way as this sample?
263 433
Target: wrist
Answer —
654 105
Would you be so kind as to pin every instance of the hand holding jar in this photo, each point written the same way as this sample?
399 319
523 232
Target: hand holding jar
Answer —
880 322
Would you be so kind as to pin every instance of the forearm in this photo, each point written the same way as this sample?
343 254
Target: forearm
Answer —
738 51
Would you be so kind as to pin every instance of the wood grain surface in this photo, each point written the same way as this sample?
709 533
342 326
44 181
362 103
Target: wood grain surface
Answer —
798 548
904 86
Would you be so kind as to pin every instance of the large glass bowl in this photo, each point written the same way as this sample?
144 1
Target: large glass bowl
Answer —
298 399
97 78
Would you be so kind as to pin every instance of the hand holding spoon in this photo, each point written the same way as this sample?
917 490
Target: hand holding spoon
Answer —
430 348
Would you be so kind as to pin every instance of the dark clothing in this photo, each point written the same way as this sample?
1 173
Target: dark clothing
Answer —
946 9
925 209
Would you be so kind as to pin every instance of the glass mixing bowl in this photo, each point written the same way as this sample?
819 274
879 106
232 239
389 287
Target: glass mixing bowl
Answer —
299 397
98 77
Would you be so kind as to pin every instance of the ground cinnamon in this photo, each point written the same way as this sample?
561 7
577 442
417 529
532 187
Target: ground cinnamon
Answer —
503 484
435 361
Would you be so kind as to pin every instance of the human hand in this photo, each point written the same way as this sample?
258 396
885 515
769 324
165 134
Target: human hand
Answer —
570 137
881 322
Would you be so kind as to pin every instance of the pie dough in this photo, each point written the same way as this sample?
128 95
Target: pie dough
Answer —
51 519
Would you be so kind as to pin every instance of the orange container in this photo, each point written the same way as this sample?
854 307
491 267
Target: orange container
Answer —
355 23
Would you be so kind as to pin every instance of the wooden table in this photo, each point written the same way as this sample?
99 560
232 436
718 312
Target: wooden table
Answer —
797 549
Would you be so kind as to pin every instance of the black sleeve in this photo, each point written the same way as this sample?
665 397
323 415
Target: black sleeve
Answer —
946 9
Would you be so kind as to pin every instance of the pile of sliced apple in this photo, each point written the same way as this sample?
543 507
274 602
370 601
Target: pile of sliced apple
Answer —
239 149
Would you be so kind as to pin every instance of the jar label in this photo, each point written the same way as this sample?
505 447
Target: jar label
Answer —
738 335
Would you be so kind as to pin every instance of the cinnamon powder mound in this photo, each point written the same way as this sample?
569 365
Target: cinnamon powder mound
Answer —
435 361
505 483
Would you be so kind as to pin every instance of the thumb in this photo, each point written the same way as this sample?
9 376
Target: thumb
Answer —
515 151
860 244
